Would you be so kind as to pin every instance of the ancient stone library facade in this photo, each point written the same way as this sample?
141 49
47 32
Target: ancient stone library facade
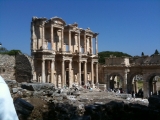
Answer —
63 54
123 72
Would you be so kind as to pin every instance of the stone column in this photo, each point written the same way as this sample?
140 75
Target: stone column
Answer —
62 40
49 71
92 70
97 72
40 37
62 76
43 37
125 82
135 86
146 91
154 87
69 41
52 73
79 62
85 72
79 45
91 47
85 43
43 71
96 40
52 38
70 74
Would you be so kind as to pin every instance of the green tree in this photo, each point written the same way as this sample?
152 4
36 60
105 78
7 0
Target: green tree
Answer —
104 54
156 52
3 50
142 54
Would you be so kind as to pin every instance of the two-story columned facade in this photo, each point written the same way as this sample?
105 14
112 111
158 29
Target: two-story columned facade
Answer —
63 54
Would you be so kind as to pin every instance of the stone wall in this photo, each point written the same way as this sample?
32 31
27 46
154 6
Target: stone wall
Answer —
24 68
7 67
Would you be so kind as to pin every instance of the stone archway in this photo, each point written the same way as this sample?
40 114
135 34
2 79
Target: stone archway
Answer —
152 88
113 82
134 83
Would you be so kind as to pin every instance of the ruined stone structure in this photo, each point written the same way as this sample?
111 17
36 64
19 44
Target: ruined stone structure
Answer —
63 54
7 67
127 68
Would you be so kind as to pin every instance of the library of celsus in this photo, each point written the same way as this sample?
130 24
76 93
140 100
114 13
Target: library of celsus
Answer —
63 54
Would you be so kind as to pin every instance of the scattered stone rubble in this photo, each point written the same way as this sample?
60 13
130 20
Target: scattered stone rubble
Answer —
78 103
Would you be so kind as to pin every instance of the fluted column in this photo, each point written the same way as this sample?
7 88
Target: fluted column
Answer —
84 43
85 72
43 71
79 62
69 41
96 40
92 77
62 40
70 74
62 78
97 72
52 73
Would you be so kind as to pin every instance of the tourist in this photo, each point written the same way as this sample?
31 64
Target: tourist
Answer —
7 109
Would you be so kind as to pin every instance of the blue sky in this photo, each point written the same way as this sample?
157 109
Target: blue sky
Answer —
130 26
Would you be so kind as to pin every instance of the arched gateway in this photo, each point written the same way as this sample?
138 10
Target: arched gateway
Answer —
136 74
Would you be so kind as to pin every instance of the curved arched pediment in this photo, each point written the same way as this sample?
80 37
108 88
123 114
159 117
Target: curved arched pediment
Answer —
58 20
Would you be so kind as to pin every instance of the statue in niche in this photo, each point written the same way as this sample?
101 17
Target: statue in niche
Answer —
75 78
88 78
46 45
59 80
34 75
88 44
39 78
